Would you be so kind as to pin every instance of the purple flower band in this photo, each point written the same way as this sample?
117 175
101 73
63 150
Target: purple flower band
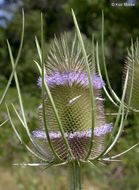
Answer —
98 131
57 78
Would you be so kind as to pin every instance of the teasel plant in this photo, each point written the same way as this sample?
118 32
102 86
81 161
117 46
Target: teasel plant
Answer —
72 121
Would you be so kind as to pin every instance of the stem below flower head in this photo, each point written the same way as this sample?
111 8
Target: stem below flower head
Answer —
75 176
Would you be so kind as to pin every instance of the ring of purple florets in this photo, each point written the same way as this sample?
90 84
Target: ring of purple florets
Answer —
98 131
57 78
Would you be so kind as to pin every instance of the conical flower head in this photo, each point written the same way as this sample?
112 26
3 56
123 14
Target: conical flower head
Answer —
68 82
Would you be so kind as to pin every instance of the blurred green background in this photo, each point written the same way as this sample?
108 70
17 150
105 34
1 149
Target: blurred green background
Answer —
121 23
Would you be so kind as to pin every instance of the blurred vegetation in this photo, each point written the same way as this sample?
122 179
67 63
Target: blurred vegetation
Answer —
121 23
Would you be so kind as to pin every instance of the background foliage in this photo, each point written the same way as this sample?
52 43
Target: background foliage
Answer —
121 23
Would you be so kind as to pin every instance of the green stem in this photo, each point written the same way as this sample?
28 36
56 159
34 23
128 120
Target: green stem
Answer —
75 176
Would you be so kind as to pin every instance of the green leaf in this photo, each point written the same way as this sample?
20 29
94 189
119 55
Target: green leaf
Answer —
4 122
19 137
41 54
112 140
90 83
16 61
32 139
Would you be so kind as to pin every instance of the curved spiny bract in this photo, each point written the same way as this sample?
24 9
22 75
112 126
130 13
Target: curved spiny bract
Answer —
69 87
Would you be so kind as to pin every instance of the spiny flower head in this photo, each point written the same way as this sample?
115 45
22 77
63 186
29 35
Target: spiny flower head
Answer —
67 80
